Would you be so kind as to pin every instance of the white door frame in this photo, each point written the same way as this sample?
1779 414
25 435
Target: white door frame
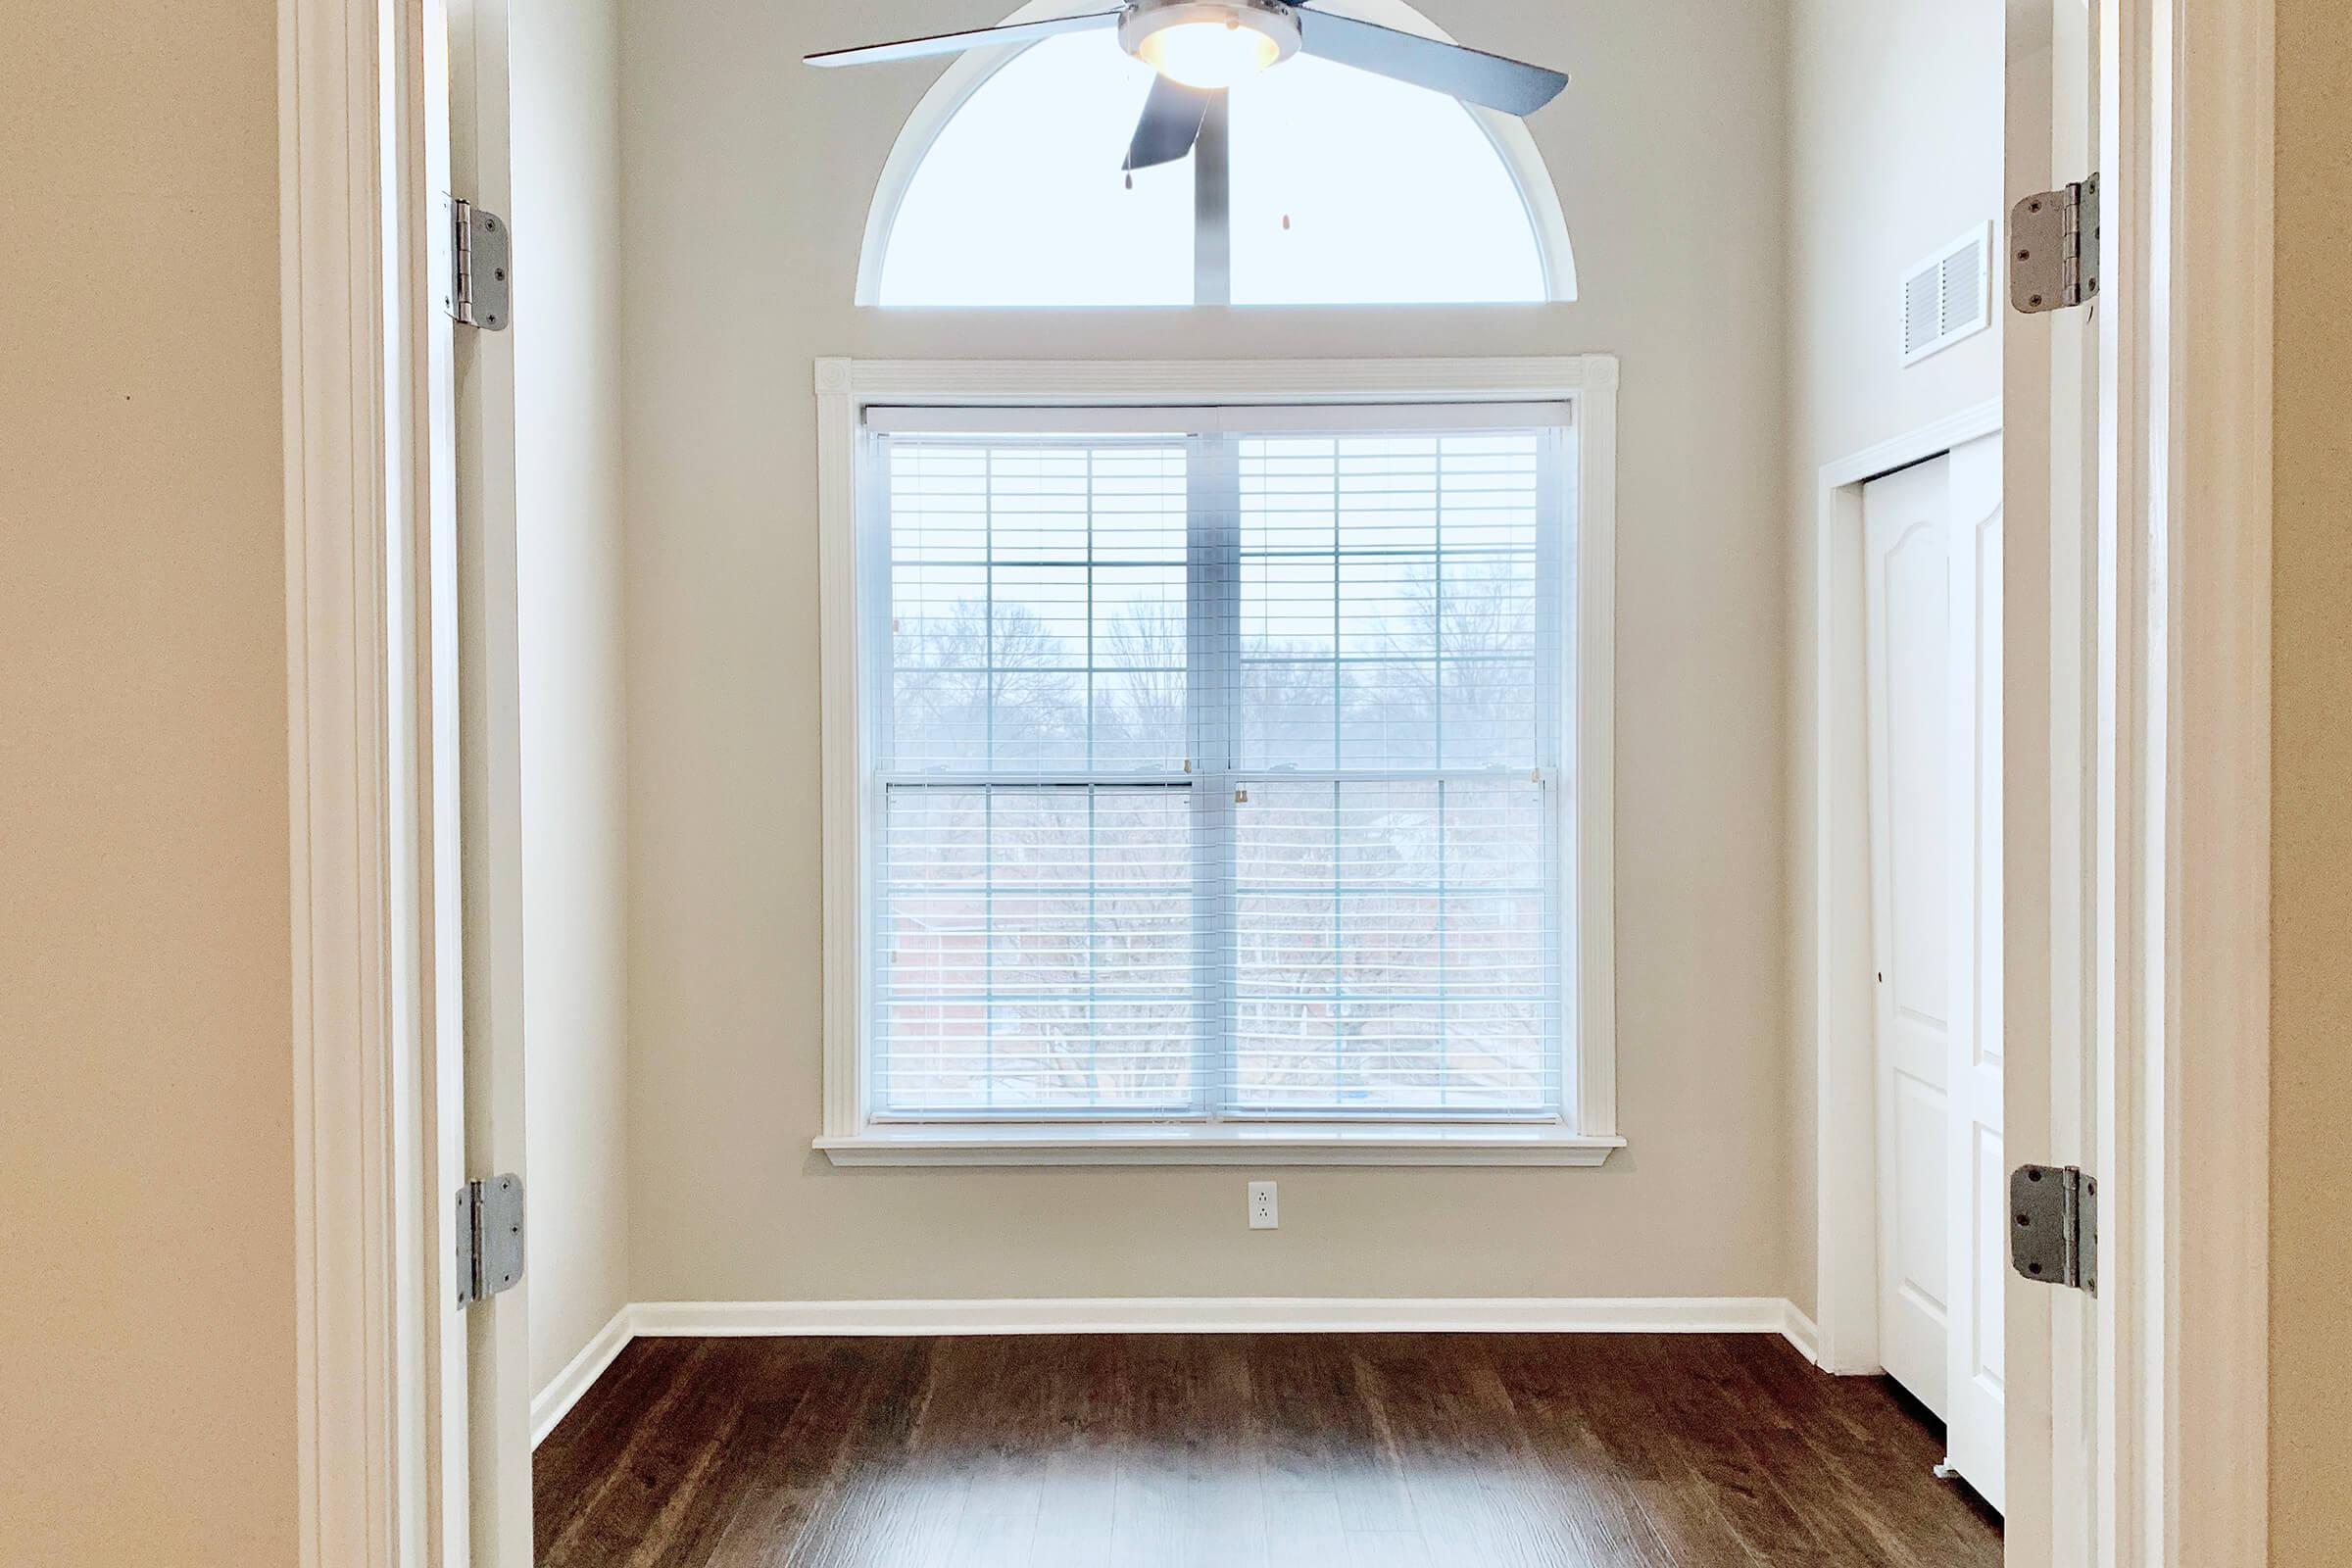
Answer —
364 1249
2159 753
384 1450
1845 993
2188 350
2187 320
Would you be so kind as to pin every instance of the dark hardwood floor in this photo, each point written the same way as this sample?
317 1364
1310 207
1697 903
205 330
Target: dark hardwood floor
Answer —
1223 1451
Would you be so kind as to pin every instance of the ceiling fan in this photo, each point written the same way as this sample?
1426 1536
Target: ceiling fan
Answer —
1200 47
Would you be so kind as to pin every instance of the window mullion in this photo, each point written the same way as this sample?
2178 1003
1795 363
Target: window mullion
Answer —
1228 476
1212 512
1437 708
1212 205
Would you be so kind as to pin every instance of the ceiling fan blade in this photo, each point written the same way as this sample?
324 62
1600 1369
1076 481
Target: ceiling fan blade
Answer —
948 43
1172 124
1471 75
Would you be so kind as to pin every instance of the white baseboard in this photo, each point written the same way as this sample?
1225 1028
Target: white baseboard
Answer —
1174 1314
555 1401
1223 1315
1798 1330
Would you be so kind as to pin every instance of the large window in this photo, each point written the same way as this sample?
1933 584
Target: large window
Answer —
1331 186
1220 769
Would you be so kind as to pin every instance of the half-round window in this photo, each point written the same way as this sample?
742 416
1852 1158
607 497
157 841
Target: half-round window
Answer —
1334 188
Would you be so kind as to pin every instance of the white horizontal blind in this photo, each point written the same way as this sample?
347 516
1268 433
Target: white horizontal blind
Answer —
1222 763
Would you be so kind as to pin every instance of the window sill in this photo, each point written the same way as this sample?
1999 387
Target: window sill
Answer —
1223 1144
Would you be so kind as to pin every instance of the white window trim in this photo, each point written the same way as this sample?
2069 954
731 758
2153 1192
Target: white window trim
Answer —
844 390
1515 143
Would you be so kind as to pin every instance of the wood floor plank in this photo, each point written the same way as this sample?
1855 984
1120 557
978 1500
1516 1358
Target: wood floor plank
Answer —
1074 1449
586 1446
786 1473
1246 1452
1613 1398
1226 1504
1303 1527
1012 1433
1712 1415
1188 1487
1593 1492
622 1517
892 1500
1460 1452
1868 1460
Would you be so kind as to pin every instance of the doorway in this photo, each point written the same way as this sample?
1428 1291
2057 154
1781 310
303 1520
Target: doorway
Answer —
2025 1378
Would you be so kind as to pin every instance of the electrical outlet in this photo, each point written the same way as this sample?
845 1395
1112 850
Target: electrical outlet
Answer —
1263 1216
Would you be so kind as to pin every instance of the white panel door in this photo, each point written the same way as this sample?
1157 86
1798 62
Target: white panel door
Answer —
1978 1239
1908 590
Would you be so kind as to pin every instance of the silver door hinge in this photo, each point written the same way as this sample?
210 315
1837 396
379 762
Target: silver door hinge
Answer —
489 1237
480 261
2054 249
2054 1226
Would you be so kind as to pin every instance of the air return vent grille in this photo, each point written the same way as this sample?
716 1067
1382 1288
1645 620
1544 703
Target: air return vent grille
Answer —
1948 296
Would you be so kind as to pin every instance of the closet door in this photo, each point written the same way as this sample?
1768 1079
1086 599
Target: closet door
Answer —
1908 591
1974 1414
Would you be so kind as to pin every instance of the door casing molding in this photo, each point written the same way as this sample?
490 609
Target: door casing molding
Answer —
350 1269
373 998
2188 321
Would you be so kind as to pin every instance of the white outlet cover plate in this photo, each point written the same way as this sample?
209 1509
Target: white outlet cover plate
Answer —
1264 1214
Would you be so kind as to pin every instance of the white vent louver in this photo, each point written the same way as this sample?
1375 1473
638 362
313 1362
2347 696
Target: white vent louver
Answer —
1948 296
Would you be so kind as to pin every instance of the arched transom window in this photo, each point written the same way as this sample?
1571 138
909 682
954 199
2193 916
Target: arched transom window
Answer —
1316 184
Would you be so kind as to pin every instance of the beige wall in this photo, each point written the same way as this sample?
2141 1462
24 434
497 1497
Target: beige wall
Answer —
749 181
1894 149
2311 760
567 171
146 1120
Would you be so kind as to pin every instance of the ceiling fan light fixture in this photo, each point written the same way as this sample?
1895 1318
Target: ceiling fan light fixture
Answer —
1209 44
